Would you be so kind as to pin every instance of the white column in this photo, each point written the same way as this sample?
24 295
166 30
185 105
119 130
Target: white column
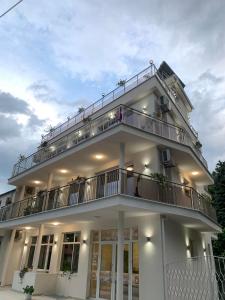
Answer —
120 253
22 192
163 219
8 258
121 165
38 248
49 183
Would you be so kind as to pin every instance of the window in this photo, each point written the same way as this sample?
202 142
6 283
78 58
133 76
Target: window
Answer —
70 252
45 252
31 252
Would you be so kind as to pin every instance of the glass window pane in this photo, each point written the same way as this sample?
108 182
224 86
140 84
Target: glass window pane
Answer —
66 258
45 239
69 237
94 267
135 271
33 239
31 257
42 257
51 238
135 233
75 258
49 257
77 237
95 236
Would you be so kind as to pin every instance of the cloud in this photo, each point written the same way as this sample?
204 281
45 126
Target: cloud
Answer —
208 95
9 128
12 105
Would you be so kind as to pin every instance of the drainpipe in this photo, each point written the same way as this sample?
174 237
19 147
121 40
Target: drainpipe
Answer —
162 220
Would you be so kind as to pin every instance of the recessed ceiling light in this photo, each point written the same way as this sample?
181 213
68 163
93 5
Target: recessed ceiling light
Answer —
36 181
63 171
130 168
99 156
27 228
194 173
55 223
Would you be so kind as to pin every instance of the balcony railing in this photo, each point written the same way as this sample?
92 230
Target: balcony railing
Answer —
118 181
112 118
103 101
196 278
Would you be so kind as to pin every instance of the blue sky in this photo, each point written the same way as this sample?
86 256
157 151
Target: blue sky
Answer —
58 55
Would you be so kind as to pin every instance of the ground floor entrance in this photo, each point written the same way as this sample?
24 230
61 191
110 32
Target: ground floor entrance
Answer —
103 277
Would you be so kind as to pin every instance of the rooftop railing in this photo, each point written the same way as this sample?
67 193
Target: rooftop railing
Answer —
115 182
125 87
119 115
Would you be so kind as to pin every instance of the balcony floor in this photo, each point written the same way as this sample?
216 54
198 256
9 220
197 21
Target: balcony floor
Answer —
8 294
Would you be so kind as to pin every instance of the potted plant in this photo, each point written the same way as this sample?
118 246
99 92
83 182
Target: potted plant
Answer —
28 291
121 82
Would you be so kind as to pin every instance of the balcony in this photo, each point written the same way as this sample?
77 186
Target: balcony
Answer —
115 182
94 127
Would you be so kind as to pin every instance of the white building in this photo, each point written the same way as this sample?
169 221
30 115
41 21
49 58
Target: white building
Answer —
114 201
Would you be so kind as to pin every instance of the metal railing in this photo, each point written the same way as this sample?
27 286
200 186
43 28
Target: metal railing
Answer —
103 101
199 278
119 115
118 181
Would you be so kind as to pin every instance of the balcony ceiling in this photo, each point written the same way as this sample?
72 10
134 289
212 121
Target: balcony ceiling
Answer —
82 160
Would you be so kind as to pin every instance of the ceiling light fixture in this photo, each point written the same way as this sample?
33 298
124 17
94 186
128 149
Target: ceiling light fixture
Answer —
55 223
130 168
194 173
36 181
99 156
63 171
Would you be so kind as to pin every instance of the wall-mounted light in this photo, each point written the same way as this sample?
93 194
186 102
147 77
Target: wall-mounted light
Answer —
204 250
146 166
148 239
84 241
55 242
188 247
26 244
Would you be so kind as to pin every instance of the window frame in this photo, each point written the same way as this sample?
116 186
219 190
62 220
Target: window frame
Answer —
31 244
74 242
49 245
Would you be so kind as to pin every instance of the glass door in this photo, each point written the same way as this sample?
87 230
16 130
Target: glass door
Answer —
106 272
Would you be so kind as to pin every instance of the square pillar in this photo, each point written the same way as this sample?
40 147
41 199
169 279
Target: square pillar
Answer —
7 258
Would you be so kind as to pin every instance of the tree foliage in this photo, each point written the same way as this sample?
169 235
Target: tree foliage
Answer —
218 199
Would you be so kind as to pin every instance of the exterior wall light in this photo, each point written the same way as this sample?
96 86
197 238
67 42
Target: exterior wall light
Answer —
55 242
84 241
26 244
204 250
146 166
149 239
188 247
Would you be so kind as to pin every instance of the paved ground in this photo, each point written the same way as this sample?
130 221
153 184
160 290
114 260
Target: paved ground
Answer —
7 294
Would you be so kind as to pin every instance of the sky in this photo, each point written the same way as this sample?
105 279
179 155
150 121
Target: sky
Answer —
56 56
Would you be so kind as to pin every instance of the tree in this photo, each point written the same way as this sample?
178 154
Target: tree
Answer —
218 200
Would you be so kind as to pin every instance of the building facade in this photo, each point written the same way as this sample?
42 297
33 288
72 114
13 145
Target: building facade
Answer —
112 199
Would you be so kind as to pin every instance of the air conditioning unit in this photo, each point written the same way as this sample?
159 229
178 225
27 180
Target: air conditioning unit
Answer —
166 158
165 104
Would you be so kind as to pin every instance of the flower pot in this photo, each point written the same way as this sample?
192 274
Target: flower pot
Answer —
28 297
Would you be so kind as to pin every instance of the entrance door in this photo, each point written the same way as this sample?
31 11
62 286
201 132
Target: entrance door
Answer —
107 272
104 271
